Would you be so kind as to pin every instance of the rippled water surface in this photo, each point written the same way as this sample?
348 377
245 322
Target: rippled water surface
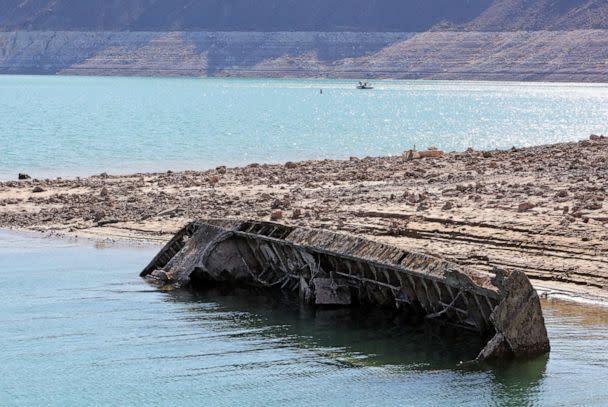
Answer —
80 328
82 125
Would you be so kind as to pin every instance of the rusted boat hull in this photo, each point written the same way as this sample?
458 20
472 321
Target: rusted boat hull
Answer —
330 269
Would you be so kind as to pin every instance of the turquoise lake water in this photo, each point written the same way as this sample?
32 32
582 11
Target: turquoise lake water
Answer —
79 327
67 126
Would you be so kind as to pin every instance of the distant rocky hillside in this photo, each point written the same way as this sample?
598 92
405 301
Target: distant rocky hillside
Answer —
299 15
235 15
538 15
557 40
541 55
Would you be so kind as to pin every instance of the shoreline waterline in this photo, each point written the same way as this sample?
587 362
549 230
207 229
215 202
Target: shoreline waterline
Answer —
88 173
465 207
559 294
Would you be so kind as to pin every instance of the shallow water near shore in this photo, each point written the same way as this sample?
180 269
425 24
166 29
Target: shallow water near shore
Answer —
81 328
74 126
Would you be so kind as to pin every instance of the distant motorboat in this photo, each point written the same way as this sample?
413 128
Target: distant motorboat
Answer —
364 85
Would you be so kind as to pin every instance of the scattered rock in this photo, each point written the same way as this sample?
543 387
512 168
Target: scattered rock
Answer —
447 206
37 190
104 192
213 180
107 222
221 169
168 212
276 215
414 155
296 214
290 165
525 206
279 204
98 215
415 197
594 205
423 206
430 153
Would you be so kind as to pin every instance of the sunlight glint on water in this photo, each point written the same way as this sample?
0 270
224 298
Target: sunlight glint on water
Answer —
72 126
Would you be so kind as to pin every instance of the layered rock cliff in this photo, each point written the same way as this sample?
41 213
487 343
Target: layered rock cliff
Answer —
543 55
564 40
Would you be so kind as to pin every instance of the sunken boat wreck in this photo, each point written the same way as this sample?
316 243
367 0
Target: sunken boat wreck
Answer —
328 269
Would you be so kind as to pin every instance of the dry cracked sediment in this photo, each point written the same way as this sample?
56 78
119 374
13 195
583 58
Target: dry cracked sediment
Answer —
541 210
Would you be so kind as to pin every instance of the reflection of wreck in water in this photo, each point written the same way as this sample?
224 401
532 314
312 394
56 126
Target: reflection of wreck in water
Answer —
330 269
352 337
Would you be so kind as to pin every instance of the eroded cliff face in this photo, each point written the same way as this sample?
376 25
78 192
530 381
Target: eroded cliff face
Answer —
559 40
50 52
534 15
182 53
540 55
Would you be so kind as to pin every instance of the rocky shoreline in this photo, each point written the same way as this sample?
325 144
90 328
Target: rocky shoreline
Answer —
541 210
